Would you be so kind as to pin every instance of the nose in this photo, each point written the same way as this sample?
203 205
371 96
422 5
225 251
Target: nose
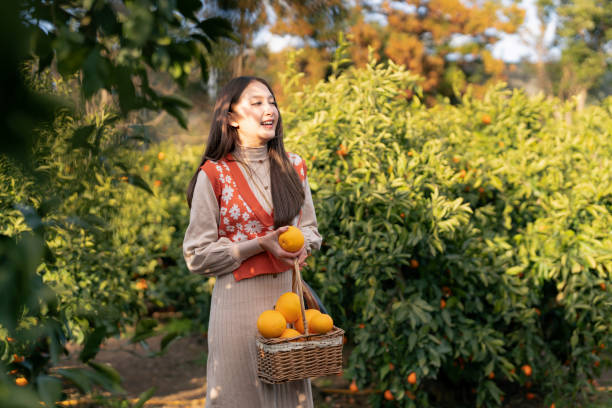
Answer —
269 109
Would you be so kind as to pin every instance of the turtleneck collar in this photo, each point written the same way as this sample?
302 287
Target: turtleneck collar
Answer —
252 153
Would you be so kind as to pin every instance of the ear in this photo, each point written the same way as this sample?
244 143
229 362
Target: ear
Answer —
231 119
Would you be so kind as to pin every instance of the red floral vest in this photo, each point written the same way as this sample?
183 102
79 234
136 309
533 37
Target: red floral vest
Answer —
241 216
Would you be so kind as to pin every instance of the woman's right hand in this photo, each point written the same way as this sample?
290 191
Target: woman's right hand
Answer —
269 242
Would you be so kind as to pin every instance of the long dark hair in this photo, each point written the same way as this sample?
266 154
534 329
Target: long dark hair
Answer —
286 186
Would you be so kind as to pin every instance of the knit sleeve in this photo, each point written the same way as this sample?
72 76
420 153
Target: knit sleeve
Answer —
205 252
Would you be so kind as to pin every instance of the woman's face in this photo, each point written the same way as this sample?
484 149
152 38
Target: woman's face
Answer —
255 115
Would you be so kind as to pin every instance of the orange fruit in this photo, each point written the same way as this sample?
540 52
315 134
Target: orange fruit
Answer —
22 382
442 303
602 286
146 167
412 378
157 183
141 284
486 119
388 395
309 313
291 240
289 333
526 369
414 263
491 375
18 359
530 395
289 305
161 155
353 387
271 323
410 395
10 340
321 323
342 151
391 366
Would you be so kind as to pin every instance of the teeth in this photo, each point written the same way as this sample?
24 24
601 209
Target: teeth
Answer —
268 122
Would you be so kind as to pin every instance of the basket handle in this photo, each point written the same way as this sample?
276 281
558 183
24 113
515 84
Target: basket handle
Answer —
297 287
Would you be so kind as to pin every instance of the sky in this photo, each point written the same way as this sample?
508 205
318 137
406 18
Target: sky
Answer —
510 48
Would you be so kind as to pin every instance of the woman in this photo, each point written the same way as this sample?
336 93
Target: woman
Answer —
246 191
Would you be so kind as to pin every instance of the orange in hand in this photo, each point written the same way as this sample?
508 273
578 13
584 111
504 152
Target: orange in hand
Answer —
291 240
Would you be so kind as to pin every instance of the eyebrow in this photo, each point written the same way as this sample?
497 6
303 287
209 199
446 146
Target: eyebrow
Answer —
260 96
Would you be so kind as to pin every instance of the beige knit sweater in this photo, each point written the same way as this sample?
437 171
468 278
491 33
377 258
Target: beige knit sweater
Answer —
235 306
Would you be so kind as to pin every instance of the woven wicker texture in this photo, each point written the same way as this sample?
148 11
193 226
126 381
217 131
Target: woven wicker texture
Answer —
306 356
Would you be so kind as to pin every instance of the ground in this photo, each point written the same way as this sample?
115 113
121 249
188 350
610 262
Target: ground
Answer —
179 376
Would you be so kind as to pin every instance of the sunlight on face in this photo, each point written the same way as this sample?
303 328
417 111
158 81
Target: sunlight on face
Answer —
255 115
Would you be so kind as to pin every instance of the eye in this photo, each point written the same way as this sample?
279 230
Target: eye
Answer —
256 103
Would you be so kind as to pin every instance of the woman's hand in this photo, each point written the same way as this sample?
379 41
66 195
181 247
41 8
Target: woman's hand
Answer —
269 242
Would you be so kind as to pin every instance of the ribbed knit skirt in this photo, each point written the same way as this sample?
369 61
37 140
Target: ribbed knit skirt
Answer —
231 370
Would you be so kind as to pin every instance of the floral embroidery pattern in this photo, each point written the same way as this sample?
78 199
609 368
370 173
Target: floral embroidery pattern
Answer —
235 211
253 227
227 194
238 220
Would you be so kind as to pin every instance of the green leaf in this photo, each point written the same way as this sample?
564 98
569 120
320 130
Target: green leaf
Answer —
106 376
92 344
137 181
81 135
144 330
78 377
144 397
49 389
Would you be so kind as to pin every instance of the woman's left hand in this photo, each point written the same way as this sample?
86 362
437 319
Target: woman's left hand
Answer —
302 255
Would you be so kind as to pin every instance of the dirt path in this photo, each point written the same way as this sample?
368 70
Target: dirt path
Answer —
179 375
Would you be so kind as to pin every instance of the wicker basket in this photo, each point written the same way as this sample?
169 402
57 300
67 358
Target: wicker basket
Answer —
306 356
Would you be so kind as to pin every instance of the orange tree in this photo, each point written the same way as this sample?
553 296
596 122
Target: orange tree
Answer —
91 245
59 164
467 248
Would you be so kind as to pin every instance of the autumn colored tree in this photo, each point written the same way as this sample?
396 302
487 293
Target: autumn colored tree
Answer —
316 22
447 42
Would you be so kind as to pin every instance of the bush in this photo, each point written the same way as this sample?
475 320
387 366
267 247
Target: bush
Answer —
90 245
467 244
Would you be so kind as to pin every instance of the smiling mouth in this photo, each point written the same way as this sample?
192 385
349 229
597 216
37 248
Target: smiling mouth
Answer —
267 122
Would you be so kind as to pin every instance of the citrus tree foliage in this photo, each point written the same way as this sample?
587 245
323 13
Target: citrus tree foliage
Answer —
113 44
62 278
467 249
447 43
90 246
